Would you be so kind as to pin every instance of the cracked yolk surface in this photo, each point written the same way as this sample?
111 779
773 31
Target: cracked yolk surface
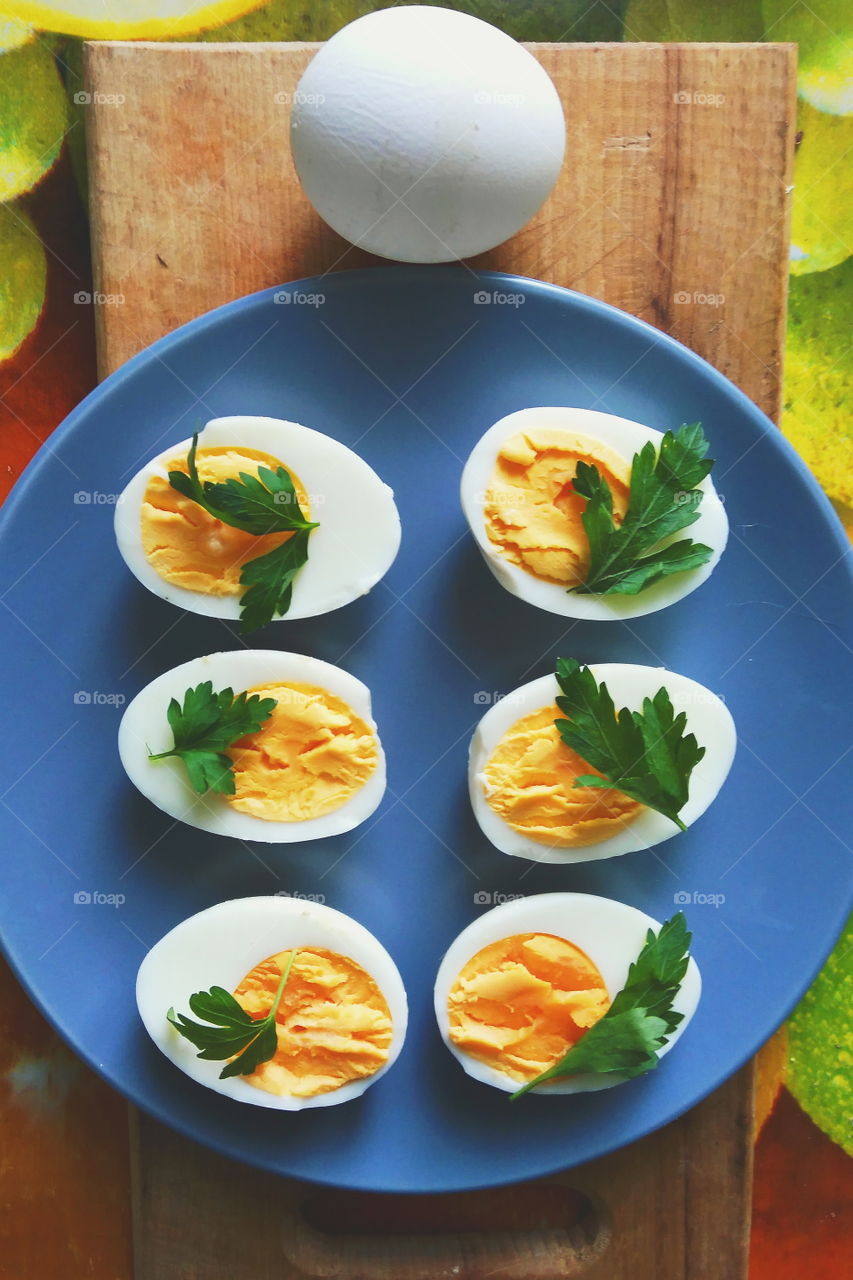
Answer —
522 1002
529 781
531 511
193 549
333 1024
311 756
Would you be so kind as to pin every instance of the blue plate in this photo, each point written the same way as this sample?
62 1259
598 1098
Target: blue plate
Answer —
409 366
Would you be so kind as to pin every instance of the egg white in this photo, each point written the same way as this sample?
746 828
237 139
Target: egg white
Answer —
707 717
354 547
144 728
219 946
625 438
611 933
425 135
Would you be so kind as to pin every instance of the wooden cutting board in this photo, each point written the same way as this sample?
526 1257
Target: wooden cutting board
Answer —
674 204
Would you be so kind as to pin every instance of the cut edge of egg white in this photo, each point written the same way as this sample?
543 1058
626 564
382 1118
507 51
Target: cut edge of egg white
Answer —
165 783
611 933
359 526
707 717
625 438
220 945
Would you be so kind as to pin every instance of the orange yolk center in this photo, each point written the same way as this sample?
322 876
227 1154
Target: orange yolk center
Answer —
333 1024
522 1002
311 756
531 511
529 781
193 549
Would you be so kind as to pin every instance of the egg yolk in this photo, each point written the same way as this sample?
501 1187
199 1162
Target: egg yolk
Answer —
332 1025
193 549
530 783
311 756
531 511
522 1002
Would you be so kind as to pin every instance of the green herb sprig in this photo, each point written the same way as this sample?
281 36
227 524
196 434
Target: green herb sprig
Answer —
234 1031
626 558
205 725
261 504
646 754
628 1039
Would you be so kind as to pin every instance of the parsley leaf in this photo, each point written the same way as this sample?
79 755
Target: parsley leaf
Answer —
205 725
269 580
234 1032
644 753
627 1040
261 504
663 498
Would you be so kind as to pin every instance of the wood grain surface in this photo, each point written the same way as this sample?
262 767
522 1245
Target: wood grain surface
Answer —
676 190
673 204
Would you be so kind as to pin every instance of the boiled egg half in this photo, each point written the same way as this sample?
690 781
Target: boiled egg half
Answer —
522 983
342 1018
315 768
518 499
521 775
193 560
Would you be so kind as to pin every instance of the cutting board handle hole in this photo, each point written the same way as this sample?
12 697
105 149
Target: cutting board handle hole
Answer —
537 1231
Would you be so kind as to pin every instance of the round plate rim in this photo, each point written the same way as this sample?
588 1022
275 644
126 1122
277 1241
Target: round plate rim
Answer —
568 297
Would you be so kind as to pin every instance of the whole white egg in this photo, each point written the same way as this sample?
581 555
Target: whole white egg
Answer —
707 717
144 728
624 438
219 946
359 527
611 934
426 135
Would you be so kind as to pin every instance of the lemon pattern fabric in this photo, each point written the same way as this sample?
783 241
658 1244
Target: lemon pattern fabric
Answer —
33 117
820 1036
822 227
126 19
22 280
823 33
818 386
